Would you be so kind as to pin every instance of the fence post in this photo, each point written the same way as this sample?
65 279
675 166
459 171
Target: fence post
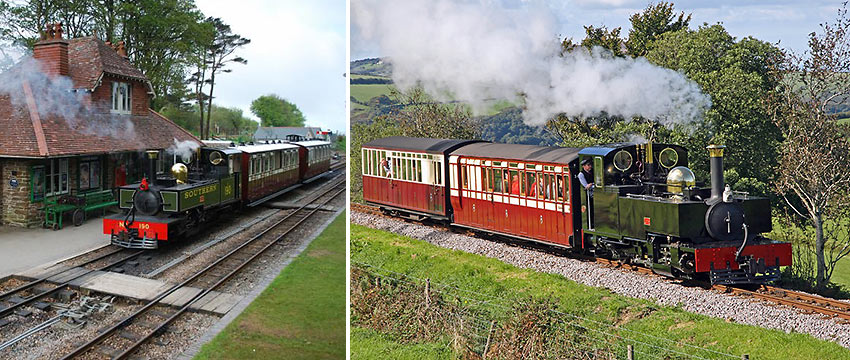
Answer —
630 352
427 293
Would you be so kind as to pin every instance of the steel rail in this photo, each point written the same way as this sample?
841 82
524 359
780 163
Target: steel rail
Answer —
31 299
221 281
130 318
41 280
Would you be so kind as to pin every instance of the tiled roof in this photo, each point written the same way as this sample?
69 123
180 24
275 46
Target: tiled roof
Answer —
90 57
83 129
99 135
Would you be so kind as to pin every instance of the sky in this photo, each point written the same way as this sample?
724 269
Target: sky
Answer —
297 51
786 21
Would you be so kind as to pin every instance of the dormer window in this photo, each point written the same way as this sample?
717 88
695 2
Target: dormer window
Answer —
121 97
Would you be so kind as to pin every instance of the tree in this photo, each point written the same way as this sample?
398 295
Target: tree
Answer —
217 56
814 166
737 76
274 110
648 25
602 37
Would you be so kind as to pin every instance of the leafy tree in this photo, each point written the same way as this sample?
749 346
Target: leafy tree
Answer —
602 37
158 34
274 110
216 57
230 122
737 76
814 166
648 25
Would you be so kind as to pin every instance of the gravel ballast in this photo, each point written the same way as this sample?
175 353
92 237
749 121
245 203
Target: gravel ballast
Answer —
657 289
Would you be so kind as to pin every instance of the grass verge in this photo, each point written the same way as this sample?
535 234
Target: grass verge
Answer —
301 315
493 278
368 344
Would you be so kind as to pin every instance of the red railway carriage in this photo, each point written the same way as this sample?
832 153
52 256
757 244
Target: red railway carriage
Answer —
268 170
408 174
519 190
315 158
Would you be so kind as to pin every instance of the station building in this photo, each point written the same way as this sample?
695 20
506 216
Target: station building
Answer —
291 133
75 118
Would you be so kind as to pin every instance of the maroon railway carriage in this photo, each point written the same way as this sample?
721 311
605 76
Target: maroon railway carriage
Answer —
518 190
315 157
268 170
408 175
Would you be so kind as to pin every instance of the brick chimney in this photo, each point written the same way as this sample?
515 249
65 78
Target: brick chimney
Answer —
52 51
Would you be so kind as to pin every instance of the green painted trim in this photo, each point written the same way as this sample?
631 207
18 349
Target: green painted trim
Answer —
169 201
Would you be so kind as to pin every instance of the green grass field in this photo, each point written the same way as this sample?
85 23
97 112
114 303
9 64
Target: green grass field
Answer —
301 315
368 344
365 92
490 277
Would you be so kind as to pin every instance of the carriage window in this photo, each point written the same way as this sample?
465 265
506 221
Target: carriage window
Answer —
498 180
550 187
540 190
560 187
514 181
522 184
463 177
438 173
531 188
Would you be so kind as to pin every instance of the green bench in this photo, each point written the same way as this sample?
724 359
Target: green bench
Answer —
55 208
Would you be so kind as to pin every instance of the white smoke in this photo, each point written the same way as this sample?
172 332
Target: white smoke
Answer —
183 149
56 96
475 51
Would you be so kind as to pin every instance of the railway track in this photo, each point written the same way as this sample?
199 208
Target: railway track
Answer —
799 300
31 292
125 337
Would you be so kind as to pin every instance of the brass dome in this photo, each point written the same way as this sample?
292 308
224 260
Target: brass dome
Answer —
680 177
180 172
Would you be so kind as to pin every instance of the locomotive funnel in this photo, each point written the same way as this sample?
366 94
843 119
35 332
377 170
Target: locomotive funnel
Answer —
717 181
152 155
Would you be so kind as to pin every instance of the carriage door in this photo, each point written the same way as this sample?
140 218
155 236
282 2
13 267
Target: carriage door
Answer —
565 226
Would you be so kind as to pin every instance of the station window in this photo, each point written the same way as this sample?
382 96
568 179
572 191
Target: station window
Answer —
56 176
121 95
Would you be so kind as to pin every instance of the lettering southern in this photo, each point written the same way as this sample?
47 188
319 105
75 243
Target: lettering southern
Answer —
200 191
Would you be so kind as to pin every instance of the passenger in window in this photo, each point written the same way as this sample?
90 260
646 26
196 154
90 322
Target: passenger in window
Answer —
515 185
532 189
385 164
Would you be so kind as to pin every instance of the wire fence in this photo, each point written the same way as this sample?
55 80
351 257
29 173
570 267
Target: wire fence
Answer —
484 326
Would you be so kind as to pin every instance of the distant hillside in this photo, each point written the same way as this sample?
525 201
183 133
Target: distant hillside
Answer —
372 66
371 85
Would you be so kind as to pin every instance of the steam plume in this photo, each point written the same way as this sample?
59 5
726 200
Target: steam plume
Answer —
474 51
56 96
183 149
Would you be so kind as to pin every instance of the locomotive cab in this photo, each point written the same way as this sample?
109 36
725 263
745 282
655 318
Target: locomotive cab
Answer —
647 208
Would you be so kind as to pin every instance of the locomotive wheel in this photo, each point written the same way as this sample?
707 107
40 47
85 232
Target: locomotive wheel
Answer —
78 216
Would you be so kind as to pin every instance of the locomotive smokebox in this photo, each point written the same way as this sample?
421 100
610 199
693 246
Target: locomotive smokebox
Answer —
715 152
152 156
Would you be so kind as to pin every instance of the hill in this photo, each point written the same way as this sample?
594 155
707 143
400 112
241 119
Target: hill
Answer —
371 87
